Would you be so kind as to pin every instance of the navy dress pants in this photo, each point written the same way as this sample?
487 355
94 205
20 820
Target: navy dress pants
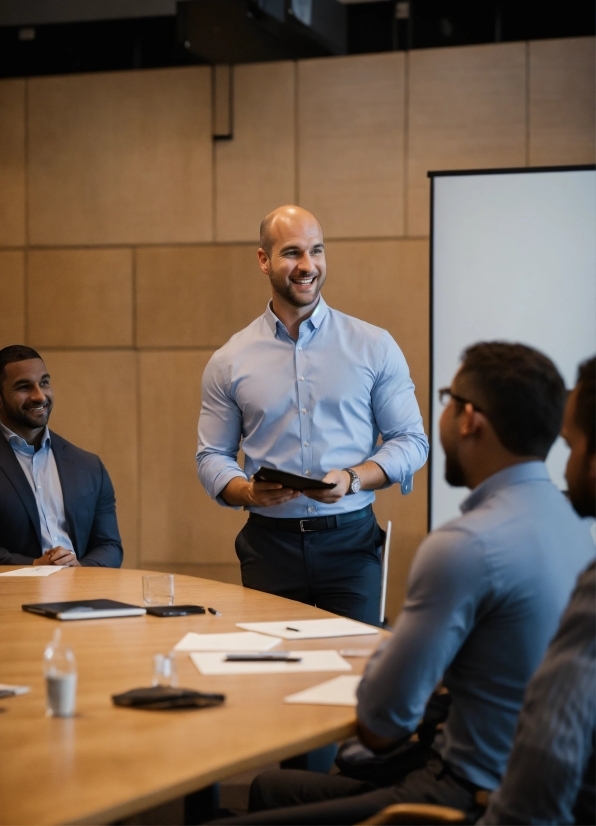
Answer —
338 570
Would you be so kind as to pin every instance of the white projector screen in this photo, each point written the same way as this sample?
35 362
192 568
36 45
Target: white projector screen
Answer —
513 258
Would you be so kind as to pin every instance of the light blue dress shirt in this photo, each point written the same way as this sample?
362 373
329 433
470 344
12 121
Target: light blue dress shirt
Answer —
309 406
485 595
42 474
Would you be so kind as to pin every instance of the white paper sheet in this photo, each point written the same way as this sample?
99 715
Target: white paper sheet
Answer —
310 629
340 691
214 663
236 641
18 689
39 570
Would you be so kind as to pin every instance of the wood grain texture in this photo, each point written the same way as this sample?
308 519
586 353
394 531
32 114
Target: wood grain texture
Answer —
120 158
109 762
95 407
254 172
12 292
467 110
562 111
179 522
12 163
197 296
351 116
80 298
387 283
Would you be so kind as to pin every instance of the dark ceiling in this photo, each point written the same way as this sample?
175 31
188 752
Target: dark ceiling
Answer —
159 33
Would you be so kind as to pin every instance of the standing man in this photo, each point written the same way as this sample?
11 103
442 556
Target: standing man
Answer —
57 503
308 390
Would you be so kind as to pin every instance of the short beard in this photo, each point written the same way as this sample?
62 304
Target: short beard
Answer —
454 474
293 300
21 417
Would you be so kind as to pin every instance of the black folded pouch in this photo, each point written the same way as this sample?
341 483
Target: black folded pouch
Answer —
164 698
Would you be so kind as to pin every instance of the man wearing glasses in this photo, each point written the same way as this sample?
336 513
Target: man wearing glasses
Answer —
486 591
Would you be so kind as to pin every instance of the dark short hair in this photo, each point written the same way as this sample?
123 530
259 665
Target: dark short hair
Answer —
585 411
521 392
15 352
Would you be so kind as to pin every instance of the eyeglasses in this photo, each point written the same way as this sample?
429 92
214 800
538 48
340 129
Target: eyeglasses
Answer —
445 394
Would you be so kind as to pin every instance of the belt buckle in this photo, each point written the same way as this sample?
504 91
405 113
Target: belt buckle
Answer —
303 529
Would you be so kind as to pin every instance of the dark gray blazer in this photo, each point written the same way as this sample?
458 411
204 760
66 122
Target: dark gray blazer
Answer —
89 505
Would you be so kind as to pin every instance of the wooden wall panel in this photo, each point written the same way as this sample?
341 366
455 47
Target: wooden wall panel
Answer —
387 283
179 522
351 114
12 163
467 110
95 407
12 292
120 158
255 171
562 101
197 296
80 298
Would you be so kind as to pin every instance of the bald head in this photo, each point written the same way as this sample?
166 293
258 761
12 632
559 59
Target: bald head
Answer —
289 215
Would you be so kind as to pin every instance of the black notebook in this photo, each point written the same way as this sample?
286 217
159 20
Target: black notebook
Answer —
84 609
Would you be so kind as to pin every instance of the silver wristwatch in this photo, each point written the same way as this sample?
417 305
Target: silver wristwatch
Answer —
355 483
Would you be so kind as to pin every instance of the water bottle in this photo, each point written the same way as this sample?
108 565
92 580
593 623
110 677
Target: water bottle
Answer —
60 672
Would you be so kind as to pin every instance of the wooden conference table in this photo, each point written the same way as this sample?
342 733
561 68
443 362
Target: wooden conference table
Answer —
108 762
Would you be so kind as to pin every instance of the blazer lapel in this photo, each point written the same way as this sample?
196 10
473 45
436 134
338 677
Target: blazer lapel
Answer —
9 464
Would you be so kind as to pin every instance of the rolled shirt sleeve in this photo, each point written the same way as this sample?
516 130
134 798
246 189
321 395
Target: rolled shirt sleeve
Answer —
404 447
220 431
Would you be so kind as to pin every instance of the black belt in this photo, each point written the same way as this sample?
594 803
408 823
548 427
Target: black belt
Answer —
317 523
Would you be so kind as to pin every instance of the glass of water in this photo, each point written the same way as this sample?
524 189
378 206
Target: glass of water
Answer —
158 589
60 672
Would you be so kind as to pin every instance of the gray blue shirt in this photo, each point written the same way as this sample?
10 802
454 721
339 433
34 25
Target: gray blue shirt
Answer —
309 406
39 467
485 595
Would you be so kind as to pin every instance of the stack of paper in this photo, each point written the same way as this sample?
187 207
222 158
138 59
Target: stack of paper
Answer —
215 663
38 570
311 629
340 691
235 642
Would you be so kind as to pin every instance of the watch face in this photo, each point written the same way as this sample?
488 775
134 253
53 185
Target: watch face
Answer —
355 484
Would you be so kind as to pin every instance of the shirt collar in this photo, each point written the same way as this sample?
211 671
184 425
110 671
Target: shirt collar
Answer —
514 475
16 441
314 320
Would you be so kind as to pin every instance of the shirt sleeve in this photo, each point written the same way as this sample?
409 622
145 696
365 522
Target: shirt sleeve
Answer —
404 447
220 431
447 583
554 740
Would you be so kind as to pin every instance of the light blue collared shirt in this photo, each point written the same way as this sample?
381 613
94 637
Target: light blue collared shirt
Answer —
485 594
42 474
309 406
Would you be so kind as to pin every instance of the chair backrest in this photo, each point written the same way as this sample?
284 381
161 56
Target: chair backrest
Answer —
385 564
416 813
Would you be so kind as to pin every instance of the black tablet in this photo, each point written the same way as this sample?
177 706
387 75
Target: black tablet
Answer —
291 480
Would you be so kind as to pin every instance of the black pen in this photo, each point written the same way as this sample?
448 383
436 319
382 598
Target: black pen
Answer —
214 612
292 629
262 658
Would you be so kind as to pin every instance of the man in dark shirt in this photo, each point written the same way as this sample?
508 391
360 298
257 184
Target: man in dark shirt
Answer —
57 504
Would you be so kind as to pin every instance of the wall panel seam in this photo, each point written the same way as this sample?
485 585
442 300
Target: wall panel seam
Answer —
406 150
527 102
